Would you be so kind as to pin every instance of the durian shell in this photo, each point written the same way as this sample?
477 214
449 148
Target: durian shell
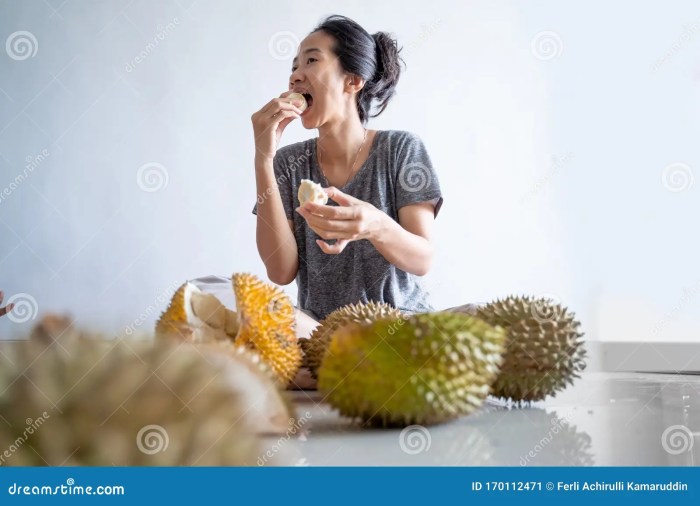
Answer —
428 368
364 313
544 351
267 324
100 396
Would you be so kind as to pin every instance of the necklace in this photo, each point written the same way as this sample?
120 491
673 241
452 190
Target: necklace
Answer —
352 169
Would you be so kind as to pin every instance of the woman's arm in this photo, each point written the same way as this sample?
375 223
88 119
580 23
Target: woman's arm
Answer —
274 233
407 244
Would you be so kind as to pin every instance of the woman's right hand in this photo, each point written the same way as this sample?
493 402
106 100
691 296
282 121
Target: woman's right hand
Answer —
269 123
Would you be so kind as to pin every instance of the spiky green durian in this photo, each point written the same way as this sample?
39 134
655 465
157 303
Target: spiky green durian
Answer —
428 368
101 403
544 351
315 347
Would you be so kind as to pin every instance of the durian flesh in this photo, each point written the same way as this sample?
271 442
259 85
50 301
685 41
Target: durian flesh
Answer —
544 349
310 191
428 368
197 317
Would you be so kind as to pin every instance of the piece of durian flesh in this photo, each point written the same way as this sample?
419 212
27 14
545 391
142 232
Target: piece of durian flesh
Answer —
310 191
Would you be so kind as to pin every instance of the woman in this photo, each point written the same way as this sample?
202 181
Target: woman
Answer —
372 241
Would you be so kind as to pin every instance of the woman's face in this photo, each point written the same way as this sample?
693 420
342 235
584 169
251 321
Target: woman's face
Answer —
317 74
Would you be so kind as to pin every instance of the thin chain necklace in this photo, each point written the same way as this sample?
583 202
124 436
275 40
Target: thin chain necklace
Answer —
352 169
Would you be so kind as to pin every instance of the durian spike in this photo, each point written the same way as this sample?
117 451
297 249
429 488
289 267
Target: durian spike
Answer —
267 324
427 368
316 346
544 351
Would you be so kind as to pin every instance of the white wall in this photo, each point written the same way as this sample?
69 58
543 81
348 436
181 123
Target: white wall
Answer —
550 124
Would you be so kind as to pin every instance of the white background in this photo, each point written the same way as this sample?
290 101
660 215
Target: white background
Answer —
551 126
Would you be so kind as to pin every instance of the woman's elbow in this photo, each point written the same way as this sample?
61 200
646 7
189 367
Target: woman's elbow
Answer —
281 278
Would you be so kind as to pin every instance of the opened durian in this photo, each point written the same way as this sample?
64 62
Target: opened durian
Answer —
197 317
429 368
263 322
267 325
101 403
544 351
315 347
310 191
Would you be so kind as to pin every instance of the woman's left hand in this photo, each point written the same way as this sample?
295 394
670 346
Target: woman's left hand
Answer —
351 220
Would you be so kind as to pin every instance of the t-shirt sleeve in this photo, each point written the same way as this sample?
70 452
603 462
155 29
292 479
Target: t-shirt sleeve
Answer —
416 179
282 176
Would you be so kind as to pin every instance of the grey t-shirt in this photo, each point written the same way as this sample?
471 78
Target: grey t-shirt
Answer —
397 172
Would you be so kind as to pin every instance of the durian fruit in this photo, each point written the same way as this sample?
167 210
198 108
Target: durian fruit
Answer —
197 317
316 345
300 98
267 325
264 322
310 191
428 368
544 351
269 409
96 402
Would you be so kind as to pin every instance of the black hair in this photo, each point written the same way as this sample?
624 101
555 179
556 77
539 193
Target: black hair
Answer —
375 58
